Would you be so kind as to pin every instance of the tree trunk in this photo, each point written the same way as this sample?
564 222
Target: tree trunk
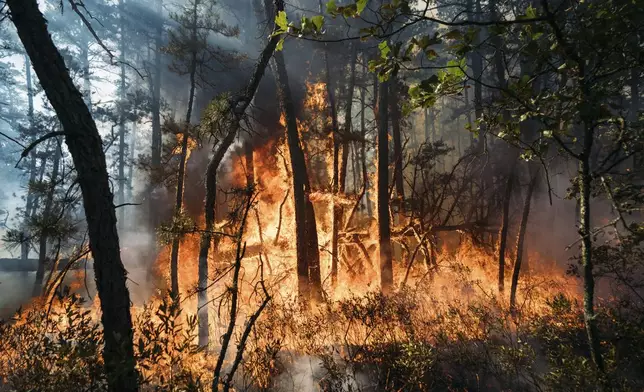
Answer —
47 219
156 91
384 231
477 71
505 223
520 241
338 178
155 94
427 124
308 257
84 143
178 206
587 249
120 199
29 205
130 166
363 150
394 101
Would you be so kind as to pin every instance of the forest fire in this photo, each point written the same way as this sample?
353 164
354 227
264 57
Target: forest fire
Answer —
338 201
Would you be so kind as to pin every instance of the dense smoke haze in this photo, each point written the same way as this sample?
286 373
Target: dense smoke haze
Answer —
254 195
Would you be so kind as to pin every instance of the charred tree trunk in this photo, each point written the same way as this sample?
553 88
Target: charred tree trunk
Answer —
84 143
363 149
178 207
339 173
520 241
384 231
306 236
47 223
308 257
635 94
395 128
505 223
348 121
130 166
585 232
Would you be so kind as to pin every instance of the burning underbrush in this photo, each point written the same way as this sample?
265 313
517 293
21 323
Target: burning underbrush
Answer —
445 329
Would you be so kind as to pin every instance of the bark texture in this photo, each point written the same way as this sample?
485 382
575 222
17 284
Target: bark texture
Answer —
84 143
505 223
384 231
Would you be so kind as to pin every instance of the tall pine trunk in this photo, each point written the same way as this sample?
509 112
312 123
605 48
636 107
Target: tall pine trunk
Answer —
29 204
47 219
84 143
155 113
308 257
384 231
363 143
505 224
178 206
337 170
585 232
122 97
521 239
156 90
394 101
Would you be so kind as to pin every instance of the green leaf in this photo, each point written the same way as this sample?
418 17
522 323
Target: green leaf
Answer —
373 64
280 45
530 12
331 8
384 49
361 5
456 67
414 91
281 21
318 21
